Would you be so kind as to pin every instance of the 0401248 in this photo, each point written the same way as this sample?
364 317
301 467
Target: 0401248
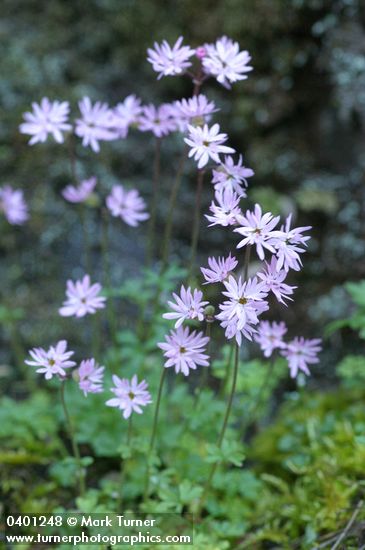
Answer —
33 520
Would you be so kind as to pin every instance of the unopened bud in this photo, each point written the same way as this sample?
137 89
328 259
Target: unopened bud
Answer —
209 312
198 121
75 375
200 52
93 200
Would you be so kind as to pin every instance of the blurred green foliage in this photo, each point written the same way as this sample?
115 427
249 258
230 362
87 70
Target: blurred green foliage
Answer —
302 482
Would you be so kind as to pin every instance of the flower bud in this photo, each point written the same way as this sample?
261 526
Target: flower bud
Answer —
93 200
200 52
209 312
75 375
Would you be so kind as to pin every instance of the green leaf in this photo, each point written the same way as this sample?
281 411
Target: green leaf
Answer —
357 292
189 492
229 452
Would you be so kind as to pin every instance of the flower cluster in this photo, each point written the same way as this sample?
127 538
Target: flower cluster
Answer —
243 299
52 362
90 376
98 122
126 204
56 359
222 60
279 248
184 349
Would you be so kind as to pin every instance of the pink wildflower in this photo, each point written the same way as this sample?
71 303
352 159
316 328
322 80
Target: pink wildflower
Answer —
224 61
82 298
300 353
227 211
158 120
245 301
81 192
131 396
96 124
286 243
90 376
274 281
231 175
13 205
48 117
195 111
170 61
184 350
127 114
200 52
270 336
52 362
189 305
206 143
219 269
127 205
233 329
257 230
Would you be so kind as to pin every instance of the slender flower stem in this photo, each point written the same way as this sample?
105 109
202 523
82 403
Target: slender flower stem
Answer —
154 431
95 335
85 238
263 388
261 394
231 396
81 209
224 386
202 383
142 327
223 429
172 204
197 81
72 158
129 433
247 261
204 377
122 465
19 355
156 188
112 321
196 224
165 245
75 448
